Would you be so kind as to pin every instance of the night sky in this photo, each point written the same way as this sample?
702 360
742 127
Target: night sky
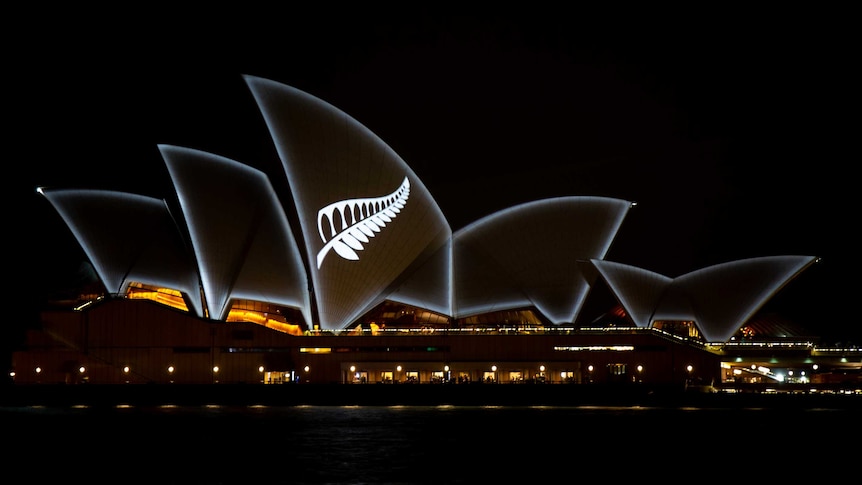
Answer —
732 132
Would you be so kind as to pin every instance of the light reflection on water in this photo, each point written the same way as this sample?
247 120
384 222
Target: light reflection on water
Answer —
410 444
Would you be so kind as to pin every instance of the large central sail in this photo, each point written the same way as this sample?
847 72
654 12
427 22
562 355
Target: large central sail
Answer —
365 216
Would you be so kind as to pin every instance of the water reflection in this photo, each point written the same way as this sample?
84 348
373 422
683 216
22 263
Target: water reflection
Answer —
412 444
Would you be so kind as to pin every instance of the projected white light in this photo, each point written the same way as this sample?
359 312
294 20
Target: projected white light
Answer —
360 220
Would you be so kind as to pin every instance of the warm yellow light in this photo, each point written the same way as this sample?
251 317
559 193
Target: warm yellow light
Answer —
81 369
689 368
306 368
398 368
260 369
215 369
165 296
38 370
493 368
541 368
352 368
446 368
640 368
126 369
170 369
315 350
590 368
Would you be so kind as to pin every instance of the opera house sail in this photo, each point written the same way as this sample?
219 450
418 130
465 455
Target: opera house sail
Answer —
368 222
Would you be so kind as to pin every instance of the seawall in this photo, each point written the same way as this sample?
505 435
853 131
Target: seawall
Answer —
425 395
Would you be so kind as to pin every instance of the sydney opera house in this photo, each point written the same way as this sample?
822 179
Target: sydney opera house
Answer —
359 278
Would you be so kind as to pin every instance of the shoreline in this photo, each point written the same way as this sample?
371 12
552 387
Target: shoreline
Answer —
108 395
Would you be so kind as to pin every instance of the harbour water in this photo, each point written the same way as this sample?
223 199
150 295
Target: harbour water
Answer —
441 443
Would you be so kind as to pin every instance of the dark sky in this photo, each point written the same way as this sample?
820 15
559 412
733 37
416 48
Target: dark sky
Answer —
732 131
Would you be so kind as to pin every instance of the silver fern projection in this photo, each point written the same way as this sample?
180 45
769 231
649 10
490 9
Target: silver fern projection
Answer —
366 217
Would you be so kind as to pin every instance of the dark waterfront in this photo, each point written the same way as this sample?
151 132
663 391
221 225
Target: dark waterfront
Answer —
107 442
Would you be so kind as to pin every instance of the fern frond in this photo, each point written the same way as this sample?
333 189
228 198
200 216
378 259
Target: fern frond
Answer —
360 220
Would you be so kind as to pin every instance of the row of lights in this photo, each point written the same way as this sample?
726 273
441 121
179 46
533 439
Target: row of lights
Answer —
128 369
640 368
171 369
